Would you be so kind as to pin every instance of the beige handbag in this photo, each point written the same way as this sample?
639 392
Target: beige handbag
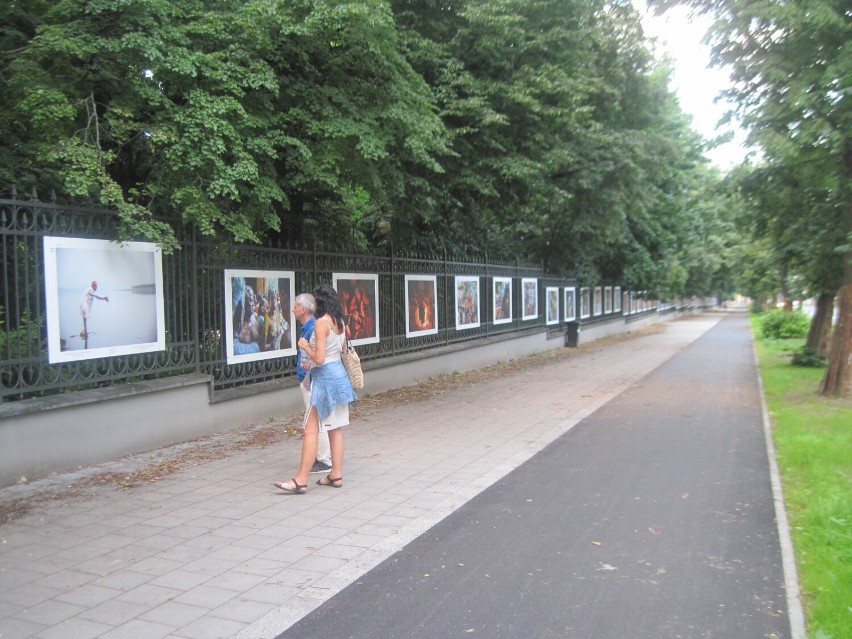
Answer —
352 364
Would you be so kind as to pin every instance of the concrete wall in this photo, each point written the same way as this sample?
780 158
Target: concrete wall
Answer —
58 434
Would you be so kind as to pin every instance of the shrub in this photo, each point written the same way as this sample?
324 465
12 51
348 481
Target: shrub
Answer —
808 357
781 325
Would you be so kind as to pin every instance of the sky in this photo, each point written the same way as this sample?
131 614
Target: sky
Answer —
696 85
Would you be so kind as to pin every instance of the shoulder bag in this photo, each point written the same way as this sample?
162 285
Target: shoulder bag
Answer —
352 364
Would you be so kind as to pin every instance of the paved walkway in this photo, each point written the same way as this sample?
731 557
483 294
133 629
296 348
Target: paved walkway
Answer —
215 551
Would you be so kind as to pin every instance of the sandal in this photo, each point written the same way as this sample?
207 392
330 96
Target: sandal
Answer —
336 482
297 489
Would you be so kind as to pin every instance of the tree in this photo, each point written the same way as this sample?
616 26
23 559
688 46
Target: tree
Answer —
790 70
235 115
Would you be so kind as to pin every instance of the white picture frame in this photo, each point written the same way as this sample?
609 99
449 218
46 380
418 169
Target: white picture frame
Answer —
259 321
359 296
102 298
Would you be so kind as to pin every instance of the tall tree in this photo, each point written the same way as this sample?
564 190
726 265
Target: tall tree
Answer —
791 66
233 114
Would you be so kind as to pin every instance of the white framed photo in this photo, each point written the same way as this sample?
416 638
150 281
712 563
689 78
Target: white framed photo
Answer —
502 300
467 302
359 296
421 305
529 290
102 298
551 300
258 315
570 303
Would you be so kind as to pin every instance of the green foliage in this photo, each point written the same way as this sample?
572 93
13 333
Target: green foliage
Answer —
809 358
540 129
778 324
23 340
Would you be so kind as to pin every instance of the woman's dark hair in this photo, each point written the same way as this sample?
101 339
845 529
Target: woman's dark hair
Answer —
328 302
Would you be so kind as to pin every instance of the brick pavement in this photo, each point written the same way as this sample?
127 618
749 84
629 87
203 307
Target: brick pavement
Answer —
216 551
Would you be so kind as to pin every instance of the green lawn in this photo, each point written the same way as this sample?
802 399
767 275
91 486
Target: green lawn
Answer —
813 441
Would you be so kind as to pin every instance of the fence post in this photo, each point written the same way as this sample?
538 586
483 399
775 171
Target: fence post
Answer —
196 303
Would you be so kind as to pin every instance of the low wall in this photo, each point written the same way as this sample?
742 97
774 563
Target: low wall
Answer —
57 434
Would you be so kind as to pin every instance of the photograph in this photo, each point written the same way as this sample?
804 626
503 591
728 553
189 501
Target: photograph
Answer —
551 296
502 300
597 308
570 304
102 298
359 295
421 305
607 299
529 286
585 303
467 302
616 299
259 320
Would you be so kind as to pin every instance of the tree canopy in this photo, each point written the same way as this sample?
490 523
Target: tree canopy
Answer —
542 129
791 74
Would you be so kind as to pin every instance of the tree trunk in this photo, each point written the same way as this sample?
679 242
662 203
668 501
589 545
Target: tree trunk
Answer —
819 335
838 375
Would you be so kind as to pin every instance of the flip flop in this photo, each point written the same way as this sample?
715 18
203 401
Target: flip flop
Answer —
336 482
298 489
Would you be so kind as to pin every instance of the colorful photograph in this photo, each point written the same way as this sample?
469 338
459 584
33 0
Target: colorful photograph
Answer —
570 303
551 296
359 295
502 300
585 302
467 302
421 305
258 318
102 298
529 287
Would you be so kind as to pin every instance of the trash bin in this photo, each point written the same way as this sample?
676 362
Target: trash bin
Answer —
572 334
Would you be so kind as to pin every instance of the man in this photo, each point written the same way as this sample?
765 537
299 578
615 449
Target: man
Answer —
303 310
89 296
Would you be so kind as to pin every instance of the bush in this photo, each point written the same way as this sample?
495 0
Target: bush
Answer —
808 357
781 325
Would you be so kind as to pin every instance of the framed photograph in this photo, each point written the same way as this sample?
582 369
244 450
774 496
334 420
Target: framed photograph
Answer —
551 299
421 305
529 287
467 302
502 300
616 299
102 298
597 308
258 318
359 294
607 299
569 295
585 302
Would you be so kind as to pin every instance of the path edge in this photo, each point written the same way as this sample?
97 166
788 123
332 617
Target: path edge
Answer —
795 612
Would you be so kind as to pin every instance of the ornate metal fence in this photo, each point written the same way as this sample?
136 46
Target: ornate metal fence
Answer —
194 301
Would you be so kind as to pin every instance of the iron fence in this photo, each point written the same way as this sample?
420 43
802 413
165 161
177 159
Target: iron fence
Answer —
194 301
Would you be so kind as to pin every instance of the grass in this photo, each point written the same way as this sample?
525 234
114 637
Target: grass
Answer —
813 441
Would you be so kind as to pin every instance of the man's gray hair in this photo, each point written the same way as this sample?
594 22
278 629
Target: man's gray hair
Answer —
307 302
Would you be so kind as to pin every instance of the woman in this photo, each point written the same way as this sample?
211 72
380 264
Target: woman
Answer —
331 392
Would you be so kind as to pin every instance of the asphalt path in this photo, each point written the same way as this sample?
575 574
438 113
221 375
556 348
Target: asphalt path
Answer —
651 518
